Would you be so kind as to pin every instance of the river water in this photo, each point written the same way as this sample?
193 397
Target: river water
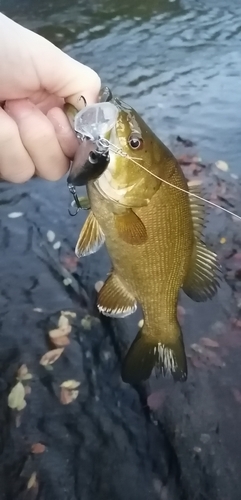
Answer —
177 61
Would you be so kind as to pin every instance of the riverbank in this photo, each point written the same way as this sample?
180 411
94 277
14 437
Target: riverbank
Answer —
156 441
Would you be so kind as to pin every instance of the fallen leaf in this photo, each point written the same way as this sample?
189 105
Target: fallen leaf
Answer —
223 240
27 390
15 215
60 332
51 356
16 397
197 348
207 342
50 236
67 281
63 321
141 323
99 285
57 245
67 396
38 448
70 384
61 341
237 395
86 322
68 313
222 165
32 481
213 358
156 400
23 370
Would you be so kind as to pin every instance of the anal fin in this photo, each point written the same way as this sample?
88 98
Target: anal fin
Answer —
130 228
91 237
114 300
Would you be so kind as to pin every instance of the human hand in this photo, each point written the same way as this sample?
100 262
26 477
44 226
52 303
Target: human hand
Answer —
36 79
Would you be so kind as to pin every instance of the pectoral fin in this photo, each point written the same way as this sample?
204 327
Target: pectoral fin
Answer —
130 228
91 237
202 280
114 300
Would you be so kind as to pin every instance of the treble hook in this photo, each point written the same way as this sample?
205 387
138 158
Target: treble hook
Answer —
72 190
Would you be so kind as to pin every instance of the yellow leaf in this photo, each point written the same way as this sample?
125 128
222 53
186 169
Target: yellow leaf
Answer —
16 396
51 356
21 405
63 321
222 165
223 240
32 481
68 313
70 384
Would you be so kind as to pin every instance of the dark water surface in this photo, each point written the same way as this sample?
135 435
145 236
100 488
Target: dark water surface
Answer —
178 62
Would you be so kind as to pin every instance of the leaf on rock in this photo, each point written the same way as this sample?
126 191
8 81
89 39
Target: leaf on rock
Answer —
86 322
32 482
38 448
16 397
68 313
61 341
222 165
70 384
23 373
223 240
51 356
156 400
67 396
63 321
60 332
207 342
99 285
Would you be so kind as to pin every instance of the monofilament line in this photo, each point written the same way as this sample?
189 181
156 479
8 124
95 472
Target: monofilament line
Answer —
119 151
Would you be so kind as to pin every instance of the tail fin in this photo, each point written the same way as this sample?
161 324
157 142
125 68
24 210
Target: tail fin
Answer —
148 351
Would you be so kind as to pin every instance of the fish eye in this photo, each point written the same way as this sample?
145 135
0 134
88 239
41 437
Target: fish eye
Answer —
135 142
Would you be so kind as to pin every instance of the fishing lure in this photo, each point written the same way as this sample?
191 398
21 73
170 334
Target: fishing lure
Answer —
91 124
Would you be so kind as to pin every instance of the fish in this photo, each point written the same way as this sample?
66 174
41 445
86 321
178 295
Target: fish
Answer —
153 232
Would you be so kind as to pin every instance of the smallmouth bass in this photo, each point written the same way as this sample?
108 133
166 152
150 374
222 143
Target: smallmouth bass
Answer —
153 234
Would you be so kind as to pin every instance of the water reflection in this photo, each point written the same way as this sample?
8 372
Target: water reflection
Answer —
177 61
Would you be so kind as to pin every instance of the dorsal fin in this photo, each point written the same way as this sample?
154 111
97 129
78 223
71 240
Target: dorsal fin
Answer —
203 276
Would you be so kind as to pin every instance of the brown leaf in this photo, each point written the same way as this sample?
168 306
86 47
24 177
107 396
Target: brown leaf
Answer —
70 384
156 400
61 341
207 342
38 448
67 396
51 356
23 370
60 332
32 482
237 395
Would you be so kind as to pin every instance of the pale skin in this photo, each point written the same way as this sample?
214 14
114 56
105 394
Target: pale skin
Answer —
36 79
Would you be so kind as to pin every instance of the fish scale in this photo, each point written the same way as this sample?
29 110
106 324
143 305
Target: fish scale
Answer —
152 233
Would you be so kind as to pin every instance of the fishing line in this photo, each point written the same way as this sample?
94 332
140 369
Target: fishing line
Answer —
119 151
